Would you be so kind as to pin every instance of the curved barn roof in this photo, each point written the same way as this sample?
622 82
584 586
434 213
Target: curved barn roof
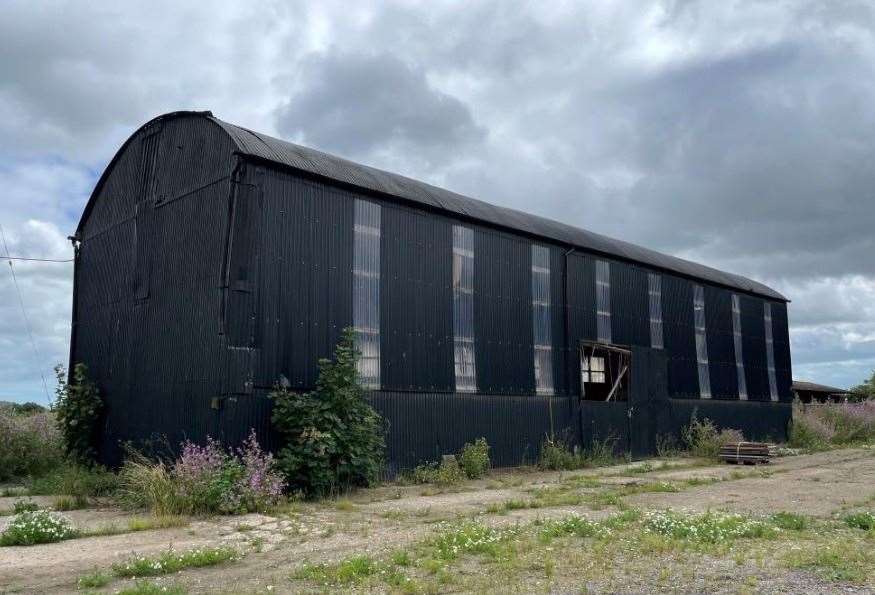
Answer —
263 147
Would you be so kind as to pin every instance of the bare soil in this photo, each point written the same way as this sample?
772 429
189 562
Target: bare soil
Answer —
389 517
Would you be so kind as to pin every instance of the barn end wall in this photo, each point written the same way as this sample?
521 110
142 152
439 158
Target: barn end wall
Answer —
148 284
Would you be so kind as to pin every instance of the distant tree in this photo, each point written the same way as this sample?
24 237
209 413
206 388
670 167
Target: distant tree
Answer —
864 391
28 408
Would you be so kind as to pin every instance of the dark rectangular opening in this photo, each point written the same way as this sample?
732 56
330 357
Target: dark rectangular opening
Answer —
605 372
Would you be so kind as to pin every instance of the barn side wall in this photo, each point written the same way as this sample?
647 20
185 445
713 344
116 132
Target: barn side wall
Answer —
201 284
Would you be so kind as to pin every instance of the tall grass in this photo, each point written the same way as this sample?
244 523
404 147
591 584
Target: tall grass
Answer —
29 443
556 454
703 439
818 426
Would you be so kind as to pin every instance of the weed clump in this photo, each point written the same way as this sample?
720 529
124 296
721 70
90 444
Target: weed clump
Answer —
557 455
172 561
474 458
38 526
204 479
703 439
710 527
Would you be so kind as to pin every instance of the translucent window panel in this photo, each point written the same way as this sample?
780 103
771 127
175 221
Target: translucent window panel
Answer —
739 354
463 309
541 335
603 300
654 282
770 351
366 291
592 369
701 342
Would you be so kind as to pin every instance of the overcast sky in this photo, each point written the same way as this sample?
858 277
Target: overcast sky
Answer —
737 134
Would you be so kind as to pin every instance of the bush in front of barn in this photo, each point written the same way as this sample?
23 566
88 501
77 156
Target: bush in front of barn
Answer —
474 458
77 408
333 439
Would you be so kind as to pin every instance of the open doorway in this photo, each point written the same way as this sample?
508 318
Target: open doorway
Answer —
605 371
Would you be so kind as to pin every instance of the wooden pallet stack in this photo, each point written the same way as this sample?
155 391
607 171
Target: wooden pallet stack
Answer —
749 453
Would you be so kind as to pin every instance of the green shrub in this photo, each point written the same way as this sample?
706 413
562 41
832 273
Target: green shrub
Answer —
77 410
448 472
74 480
474 458
38 526
30 444
703 439
333 439
861 520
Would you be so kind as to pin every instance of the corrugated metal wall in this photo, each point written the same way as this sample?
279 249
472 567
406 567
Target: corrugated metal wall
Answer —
197 292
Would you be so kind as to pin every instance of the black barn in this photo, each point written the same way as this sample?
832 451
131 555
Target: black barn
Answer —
213 262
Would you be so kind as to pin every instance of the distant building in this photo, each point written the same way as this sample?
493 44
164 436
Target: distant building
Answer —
809 392
213 262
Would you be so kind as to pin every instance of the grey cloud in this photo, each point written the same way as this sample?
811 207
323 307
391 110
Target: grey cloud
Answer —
356 105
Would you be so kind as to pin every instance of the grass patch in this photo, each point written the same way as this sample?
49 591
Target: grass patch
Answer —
344 505
861 520
93 580
842 560
150 588
789 521
469 538
172 561
65 503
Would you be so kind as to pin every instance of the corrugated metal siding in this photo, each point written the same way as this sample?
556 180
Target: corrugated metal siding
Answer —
782 351
630 314
754 348
305 299
424 426
416 301
680 337
562 378
721 349
503 313
581 310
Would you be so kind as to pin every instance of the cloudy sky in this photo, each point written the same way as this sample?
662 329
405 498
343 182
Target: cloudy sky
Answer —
739 134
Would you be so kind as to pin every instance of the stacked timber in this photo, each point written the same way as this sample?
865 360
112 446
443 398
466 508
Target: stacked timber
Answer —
749 453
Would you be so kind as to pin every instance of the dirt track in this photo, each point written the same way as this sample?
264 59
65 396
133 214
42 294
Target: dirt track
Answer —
388 517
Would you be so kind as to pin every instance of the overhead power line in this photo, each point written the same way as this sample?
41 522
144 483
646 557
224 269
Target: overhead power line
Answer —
36 351
10 258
